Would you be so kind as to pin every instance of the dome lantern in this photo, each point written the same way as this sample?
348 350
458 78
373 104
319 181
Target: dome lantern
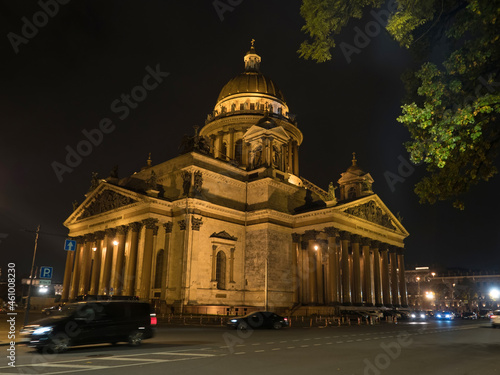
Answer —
252 60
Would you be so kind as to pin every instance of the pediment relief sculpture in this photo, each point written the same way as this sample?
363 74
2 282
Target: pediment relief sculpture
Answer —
372 212
106 201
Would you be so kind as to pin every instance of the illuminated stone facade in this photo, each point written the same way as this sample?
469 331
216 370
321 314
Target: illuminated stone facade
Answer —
230 224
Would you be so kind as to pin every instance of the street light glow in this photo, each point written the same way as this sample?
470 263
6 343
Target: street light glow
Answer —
115 242
430 295
494 293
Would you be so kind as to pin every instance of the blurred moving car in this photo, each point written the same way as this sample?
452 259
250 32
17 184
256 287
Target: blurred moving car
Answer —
444 315
418 315
91 322
258 320
469 315
485 314
495 319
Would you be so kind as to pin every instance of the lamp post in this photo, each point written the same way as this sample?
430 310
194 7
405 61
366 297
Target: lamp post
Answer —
266 296
26 315
418 291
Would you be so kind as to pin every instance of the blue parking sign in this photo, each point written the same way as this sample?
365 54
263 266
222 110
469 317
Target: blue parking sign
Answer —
45 272
70 245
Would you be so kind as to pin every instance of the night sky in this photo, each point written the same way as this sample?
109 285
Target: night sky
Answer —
64 79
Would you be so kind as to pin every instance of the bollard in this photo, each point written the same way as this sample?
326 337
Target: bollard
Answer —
348 321
395 320
311 322
359 321
339 322
371 320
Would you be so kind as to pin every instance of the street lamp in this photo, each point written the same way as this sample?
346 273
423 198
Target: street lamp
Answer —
495 294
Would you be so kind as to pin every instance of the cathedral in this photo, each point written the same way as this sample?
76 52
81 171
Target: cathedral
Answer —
230 226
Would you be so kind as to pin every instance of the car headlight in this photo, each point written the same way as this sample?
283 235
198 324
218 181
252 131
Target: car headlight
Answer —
413 315
42 330
438 315
233 320
422 315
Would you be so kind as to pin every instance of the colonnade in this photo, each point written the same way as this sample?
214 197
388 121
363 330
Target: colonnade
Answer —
223 146
105 262
338 267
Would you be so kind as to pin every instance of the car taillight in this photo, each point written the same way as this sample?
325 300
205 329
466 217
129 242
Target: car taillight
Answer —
494 316
286 319
153 319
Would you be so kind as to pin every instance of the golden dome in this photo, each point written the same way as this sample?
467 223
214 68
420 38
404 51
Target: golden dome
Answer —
251 82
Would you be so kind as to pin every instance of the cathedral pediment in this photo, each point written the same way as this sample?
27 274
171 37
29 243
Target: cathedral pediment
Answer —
256 132
223 235
104 201
372 209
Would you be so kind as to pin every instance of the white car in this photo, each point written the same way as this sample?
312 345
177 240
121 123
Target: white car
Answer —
495 319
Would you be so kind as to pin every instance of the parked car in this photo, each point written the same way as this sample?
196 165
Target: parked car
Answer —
375 314
258 320
392 313
354 315
92 322
495 319
469 315
50 310
444 315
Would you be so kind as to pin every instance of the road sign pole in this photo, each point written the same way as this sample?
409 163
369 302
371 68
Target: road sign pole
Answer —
27 313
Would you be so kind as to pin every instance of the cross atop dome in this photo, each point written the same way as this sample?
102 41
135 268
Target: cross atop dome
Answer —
354 159
252 60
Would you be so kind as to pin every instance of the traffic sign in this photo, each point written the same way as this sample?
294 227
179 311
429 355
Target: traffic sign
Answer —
70 245
45 272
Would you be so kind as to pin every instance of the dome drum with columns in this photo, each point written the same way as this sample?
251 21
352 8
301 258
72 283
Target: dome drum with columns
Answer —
251 124
196 233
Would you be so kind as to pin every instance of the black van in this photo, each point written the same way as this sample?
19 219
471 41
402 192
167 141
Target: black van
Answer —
92 322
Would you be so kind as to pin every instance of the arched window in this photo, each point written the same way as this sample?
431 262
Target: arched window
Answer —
223 151
252 106
280 111
159 268
220 270
270 108
238 151
351 193
233 107
242 106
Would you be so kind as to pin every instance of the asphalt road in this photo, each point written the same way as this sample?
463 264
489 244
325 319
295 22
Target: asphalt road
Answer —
457 347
